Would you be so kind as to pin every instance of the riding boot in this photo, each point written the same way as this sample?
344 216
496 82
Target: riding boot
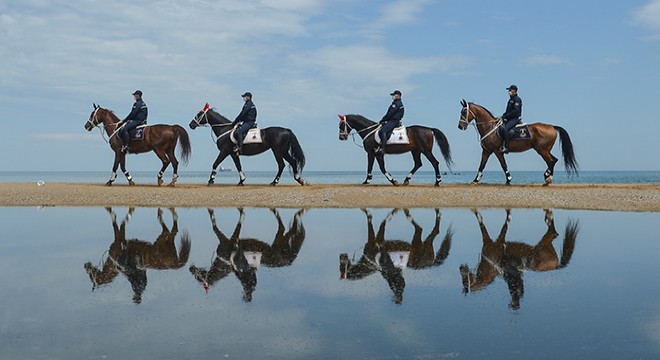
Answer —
505 146
238 148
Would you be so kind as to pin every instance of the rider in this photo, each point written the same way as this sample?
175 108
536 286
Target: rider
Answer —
511 117
390 120
248 118
137 117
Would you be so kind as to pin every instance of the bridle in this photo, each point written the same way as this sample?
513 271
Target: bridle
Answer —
95 123
465 120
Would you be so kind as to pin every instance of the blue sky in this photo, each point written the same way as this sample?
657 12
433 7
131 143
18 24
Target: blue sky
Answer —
586 66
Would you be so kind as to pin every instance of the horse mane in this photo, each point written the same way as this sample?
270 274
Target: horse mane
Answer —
361 118
222 118
483 107
111 113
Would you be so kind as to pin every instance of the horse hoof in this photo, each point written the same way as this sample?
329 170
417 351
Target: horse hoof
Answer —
508 183
273 183
109 183
365 182
240 183
474 183
395 183
301 181
131 183
160 181
210 183
437 183
171 184
406 182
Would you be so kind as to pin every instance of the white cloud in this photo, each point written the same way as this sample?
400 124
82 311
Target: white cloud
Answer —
648 15
545 59
65 136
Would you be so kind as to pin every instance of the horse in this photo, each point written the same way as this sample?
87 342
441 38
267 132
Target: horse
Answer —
542 139
242 256
510 259
161 139
420 141
379 254
133 257
282 141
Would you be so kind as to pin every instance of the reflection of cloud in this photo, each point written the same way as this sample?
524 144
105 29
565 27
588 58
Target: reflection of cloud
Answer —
65 136
544 59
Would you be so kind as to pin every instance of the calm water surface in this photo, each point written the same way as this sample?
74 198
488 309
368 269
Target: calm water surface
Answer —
98 283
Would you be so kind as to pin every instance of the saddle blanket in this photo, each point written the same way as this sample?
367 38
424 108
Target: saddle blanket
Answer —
253 258
137 133
399 258
253 136
399 136
520 132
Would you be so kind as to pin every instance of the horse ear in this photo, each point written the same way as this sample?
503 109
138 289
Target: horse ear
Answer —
95 106
463 103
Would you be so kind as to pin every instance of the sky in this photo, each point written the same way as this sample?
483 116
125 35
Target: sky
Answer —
591 67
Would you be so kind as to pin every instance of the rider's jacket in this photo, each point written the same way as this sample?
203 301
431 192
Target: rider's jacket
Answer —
248 113
394 112
139 112
513 108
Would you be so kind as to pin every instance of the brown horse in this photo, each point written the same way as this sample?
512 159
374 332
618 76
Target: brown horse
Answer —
389 257
510 259
542 140
133 257
420 141
161 139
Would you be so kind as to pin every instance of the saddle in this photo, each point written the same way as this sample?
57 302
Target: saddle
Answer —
399 136
137 133
253 136
520 132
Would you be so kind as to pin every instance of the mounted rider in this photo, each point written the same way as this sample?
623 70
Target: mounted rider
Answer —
137 117
247 118
511 117
390 120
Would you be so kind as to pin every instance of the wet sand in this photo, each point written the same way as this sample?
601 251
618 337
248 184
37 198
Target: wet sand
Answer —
591 197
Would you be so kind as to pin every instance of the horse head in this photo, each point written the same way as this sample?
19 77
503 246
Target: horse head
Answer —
201 118
344 128
467 115
93 120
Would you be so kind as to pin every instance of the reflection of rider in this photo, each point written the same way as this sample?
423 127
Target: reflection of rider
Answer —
247 118
390 120
511 117
137 117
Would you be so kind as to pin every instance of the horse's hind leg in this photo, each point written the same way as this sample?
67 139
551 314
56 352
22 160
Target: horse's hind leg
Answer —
294 166
165 161
550 160
418 164
436 167
175 166
280 168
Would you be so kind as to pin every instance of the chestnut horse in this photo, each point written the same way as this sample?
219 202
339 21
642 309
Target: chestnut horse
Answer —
542 140
161 139
281 141
420 142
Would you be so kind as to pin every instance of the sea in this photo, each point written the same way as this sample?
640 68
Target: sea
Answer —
228 176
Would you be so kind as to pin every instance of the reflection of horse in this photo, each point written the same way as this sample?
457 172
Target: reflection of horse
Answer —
243 256
542 140
132 257
420 141
389 257
160 139
281 141
510 259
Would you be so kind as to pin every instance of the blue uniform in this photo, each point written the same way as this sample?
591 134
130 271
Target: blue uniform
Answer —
512 116
137 117
248 117
390 120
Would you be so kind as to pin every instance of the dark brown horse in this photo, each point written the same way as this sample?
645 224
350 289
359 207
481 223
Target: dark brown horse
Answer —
161 139
281 141
242 256
389 257
132 257
509 259
542 140
420 141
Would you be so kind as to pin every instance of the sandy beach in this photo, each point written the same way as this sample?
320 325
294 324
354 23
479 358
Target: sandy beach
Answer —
589 197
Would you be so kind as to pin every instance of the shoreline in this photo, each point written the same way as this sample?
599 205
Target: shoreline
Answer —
611 197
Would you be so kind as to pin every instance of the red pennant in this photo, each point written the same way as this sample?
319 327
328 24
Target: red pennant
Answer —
342 117
206 107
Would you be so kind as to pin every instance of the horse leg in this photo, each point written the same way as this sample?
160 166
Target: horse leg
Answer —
114 170
239 168
505 168
381 164
550 160
370 166
218 160
294 166
280 168
418 164
122 164
436 166
165 161
175 166
484 159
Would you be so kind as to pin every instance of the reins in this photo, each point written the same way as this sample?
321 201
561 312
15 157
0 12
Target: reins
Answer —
349 128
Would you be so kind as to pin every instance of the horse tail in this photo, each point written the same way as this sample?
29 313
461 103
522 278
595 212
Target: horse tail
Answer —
184 140
296 152
443 144
569 243
184 252
570 163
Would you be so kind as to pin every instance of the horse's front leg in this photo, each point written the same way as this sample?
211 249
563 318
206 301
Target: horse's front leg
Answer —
113 176
505 168
239 168
216 163
370 167
122 164
480 173
388 176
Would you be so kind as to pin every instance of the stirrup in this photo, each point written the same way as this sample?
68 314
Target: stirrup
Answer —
124 148
504 149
